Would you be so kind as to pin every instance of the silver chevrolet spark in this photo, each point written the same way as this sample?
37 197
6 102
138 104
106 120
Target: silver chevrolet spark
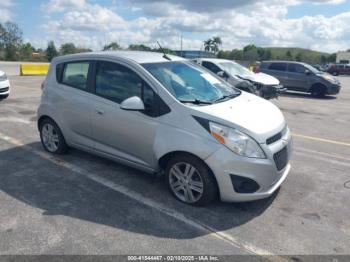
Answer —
165 115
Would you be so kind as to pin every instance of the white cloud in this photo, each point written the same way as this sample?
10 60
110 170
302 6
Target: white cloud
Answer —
238 23
61 5
5 12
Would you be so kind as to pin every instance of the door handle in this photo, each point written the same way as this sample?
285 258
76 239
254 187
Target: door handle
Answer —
100 111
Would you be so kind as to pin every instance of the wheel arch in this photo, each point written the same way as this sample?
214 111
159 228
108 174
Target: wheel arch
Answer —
163 161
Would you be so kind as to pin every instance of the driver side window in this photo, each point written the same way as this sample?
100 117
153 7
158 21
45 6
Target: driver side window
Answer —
117 83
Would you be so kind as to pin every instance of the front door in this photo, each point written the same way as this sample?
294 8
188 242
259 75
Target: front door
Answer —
127 135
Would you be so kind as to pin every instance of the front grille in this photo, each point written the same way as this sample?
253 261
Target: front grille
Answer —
276 137
281 158
5 89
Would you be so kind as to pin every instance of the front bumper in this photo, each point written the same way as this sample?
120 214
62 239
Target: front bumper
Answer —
272 91
4 87
224 163
333 89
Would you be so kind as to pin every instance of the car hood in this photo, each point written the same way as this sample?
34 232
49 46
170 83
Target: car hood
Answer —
251 114
262 78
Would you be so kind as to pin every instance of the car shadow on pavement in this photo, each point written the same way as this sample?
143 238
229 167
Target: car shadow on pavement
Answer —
57 190
292 94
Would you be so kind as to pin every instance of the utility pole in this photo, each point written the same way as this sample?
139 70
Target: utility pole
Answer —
181 45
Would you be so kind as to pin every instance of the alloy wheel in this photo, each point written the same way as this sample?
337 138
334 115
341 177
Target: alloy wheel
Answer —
186 182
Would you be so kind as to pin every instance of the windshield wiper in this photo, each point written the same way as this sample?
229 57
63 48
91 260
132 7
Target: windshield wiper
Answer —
196 102
226 97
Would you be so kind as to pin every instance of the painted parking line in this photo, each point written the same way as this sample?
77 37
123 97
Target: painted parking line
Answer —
208 230
321 140
324 154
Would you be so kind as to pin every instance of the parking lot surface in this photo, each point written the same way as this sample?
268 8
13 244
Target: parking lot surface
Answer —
82 204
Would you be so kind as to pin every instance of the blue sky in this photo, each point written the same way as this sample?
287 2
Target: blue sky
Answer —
316 24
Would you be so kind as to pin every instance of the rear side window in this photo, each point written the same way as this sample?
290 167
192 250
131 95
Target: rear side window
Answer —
212 67
59 71
75 74
278 66
296 68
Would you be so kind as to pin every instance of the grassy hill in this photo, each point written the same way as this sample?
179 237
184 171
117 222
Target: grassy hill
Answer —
253 53
295 52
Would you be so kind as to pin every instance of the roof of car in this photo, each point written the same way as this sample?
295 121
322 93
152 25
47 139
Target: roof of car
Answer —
282 61
136 56
217 60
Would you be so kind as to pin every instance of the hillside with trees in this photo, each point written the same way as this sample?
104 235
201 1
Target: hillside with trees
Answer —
253 53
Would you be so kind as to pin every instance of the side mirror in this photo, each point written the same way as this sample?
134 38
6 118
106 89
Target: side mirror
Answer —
222 74
132 104
307 72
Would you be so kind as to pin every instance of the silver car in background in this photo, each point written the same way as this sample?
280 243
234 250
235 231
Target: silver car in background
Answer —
4 85
260 84
165 115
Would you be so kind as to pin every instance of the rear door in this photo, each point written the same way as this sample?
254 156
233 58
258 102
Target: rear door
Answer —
278 70
297 79
72 100
126 135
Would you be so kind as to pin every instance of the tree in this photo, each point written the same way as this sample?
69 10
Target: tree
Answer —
289 55
212 44
299 57
139 47
332 58
10 40
250 53
68 48
51 51
111 46
26 51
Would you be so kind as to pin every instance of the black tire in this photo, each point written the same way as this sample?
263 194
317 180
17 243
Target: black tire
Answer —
335 73
318 91
210 189
61 144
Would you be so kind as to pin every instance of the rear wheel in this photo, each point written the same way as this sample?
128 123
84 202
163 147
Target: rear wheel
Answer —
52 138
335 73
191 181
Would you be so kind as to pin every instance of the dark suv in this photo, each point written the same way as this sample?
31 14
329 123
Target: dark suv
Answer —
302 77
339 69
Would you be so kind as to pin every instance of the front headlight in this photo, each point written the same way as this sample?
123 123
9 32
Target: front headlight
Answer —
328 78
3 77
236 141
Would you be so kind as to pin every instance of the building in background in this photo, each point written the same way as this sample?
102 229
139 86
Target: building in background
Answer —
343 57
192 54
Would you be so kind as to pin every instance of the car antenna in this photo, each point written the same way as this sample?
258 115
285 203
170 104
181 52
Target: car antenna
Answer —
165 55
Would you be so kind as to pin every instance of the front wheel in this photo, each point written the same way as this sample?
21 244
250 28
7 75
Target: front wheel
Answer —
191 181
318 91
52 138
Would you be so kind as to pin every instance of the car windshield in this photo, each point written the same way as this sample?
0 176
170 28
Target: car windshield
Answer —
235 69
191 83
